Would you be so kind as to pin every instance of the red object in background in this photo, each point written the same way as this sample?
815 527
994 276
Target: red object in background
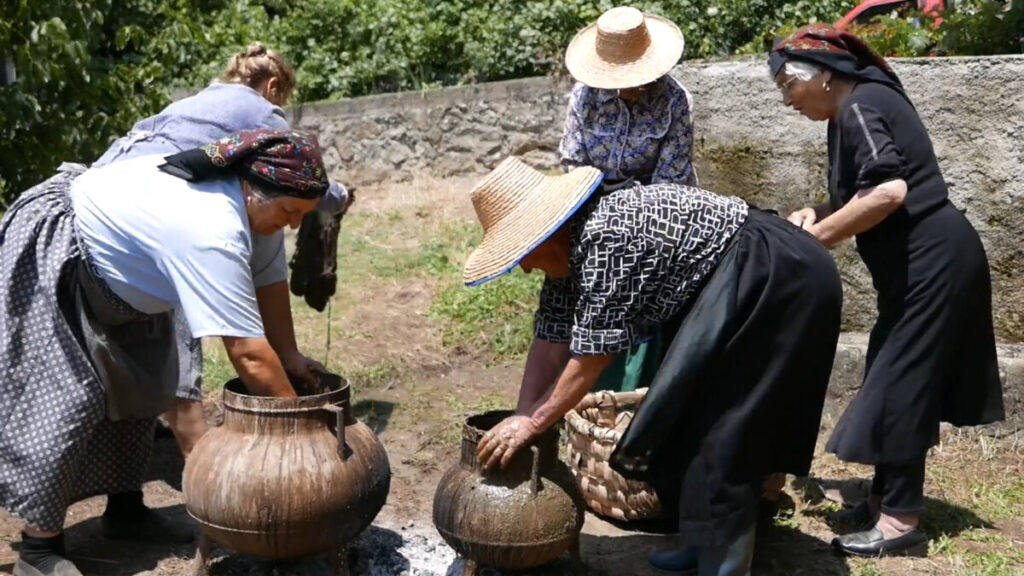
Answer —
868 9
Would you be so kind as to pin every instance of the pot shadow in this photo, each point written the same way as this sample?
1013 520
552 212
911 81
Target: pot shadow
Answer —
374 551
95 555
939 518
374 413
166 463
780 551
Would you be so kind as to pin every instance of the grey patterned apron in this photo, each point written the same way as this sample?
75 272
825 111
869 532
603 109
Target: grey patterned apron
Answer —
57 444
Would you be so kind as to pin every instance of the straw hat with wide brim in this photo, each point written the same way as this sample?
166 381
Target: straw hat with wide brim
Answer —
625 48
519 208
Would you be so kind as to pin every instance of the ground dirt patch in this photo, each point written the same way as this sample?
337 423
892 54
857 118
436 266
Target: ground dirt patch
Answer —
400 251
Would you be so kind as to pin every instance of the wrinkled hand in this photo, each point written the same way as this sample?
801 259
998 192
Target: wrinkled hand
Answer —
804 218
302 369
502 442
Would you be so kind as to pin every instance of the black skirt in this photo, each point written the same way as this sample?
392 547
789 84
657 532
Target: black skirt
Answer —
932 354
742 387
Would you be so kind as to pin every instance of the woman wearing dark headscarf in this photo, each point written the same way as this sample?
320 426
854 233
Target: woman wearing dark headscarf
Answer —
932 354
87 283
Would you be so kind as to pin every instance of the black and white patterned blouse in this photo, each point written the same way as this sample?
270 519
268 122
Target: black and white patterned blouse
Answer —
638 256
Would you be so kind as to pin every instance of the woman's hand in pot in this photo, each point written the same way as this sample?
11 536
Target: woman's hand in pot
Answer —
301 368
804 218
500 443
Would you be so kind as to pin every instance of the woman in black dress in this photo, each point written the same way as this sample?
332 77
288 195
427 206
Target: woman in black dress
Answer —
754 305
932 354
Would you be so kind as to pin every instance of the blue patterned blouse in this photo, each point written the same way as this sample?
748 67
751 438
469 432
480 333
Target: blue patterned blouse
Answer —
650 139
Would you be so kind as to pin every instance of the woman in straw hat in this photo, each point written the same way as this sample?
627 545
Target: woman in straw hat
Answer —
754 302
631 120
932 354
89 276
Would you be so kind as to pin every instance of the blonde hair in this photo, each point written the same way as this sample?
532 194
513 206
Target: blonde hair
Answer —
255 65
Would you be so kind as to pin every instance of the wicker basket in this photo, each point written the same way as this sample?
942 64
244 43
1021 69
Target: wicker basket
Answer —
594 428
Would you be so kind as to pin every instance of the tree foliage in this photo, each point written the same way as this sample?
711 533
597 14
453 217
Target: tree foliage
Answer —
88 69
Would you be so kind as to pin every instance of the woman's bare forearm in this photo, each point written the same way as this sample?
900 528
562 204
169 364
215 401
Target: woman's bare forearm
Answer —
577 379
544 363
258 366
867 209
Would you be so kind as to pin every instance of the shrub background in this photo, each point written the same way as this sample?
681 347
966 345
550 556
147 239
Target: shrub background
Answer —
88 69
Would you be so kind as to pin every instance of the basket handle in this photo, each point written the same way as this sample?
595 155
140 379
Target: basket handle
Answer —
607 410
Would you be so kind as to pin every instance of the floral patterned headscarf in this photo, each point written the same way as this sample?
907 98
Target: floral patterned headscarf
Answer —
837 50
282 160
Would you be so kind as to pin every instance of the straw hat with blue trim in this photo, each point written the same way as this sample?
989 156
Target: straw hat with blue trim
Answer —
519 208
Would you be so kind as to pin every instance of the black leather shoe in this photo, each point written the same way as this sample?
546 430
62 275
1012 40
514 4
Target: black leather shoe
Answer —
871 543
858 517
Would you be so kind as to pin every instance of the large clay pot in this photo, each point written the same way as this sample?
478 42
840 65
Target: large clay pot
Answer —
286 477
514 519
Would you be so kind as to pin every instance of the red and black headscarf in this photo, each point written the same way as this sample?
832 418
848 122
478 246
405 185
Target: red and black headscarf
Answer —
282 160
836 50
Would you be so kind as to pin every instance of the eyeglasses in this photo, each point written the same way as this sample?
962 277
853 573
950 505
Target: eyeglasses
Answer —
784 87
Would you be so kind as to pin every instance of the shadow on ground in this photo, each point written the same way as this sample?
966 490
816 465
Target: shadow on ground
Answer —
95 555
939 518
166 463
374 413
376 552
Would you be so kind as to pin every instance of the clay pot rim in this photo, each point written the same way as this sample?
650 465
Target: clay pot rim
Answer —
236 398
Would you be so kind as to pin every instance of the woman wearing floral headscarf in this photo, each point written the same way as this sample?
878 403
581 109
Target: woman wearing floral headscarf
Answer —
632 121
87 283
932 354
249 95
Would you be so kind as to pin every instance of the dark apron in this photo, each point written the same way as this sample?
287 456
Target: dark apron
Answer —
134 354
740 392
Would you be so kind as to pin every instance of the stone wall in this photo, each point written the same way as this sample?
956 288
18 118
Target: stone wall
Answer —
747 144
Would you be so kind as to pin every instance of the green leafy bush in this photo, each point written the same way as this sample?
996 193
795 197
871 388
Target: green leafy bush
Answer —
972 27
88 69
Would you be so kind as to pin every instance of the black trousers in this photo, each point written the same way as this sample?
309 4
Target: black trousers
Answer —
901 487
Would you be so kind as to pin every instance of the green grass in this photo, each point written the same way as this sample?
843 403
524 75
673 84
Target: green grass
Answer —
388 247
217 368
496 318
376 376
980 553
866 568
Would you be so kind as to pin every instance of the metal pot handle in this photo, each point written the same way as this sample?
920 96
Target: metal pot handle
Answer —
339 428
535 483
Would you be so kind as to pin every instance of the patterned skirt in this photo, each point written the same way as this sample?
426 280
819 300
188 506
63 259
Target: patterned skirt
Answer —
56 444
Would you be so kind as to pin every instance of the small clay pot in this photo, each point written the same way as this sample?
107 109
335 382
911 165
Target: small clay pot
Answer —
522 517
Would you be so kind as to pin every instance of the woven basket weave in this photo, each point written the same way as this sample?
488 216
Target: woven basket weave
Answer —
594 428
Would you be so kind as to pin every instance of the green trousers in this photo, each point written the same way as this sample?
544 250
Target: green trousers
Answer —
634 368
